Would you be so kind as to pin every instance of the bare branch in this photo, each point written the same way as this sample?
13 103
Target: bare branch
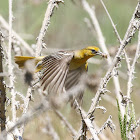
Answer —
10 66
117 34
101 41
6 26
132 68
36 111
114 27
66 123
87 122
46 22
26 106
49 128
109 124
132 28
2 90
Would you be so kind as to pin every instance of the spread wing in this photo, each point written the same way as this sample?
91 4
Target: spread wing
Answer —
55 69
74 78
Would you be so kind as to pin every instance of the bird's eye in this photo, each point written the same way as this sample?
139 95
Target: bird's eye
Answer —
93 51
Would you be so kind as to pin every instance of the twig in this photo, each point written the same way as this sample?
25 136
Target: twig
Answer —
132 68
26 106
114 27
117 34
49 128
109 124
132 28
36 111
66 123
46 22
45 25
10 66
101 41
102 135
6 26
2 89
87 122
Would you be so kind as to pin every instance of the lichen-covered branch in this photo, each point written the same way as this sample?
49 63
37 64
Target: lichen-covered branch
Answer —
46 22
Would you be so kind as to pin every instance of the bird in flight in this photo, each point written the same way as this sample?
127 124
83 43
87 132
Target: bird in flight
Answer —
62 70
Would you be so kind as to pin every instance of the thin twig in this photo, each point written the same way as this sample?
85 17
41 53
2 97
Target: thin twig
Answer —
132 28
101 41
46 22
49 130
36 111
26 106
132 68
117 34
25 45
114 27
66 123
87 122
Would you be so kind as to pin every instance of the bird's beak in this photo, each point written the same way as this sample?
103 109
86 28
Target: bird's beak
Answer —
102 54
99 53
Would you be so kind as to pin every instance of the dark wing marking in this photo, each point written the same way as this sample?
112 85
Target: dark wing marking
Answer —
55 69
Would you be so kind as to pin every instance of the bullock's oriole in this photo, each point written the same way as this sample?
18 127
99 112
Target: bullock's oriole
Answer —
61 70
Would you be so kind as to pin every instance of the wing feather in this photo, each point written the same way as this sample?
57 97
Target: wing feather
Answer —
74 78
55 69
48 73
62 82
57 80
48 79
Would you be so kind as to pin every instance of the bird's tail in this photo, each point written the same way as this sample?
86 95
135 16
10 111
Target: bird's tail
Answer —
20 60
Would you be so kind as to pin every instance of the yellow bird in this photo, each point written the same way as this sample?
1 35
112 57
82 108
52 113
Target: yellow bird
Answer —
61 70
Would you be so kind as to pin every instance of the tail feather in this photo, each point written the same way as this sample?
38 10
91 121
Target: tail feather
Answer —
20 60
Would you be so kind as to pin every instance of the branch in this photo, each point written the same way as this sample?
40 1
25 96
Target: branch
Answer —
101 41
36 111
26 46
132 28
66 123
117 34
2 89
45 25
10 66
109 123
132 68
49 128
26 106
86 121
46 22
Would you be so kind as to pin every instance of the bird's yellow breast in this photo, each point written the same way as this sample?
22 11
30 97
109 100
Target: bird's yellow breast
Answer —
78 60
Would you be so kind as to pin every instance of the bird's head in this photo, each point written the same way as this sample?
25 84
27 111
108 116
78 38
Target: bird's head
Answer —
92 51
